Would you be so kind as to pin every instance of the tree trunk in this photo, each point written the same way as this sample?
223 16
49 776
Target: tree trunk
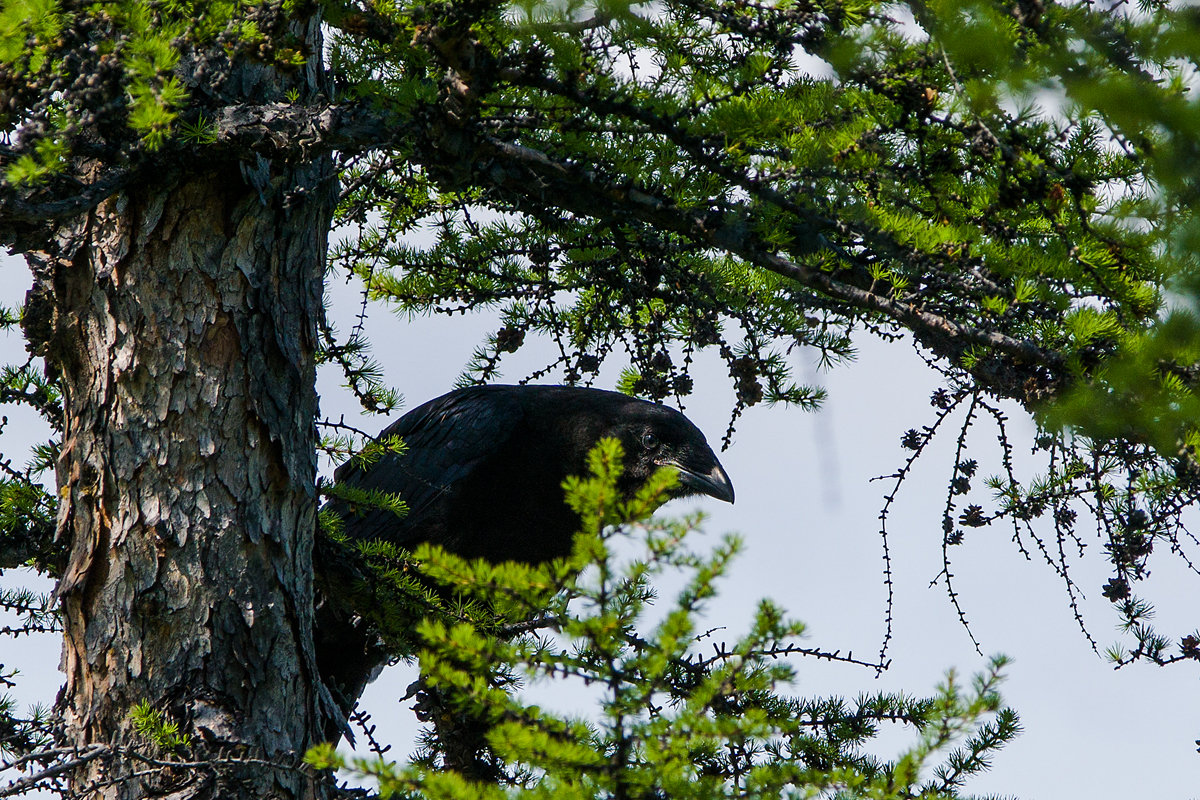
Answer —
181 319
183 328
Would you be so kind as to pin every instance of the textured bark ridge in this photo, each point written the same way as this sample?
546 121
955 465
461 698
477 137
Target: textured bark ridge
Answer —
182 321
181 317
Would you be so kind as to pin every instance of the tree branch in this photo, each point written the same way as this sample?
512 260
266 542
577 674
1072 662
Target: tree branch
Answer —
274 131
531 174
294 132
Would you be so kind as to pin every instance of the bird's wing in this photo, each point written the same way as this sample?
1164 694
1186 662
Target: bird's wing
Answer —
447 438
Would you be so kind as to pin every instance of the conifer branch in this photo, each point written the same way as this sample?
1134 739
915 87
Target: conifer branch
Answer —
537 177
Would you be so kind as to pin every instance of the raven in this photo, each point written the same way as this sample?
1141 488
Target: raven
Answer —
483 470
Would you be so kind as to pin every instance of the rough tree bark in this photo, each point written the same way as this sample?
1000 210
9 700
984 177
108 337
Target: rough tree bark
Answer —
181 318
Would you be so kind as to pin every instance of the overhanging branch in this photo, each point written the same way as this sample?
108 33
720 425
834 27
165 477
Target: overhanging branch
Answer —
533 175
294 132
274 131
283 130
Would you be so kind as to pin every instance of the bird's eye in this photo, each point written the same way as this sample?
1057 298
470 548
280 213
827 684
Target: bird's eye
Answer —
649 441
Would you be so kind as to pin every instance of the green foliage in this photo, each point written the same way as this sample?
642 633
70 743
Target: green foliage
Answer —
27 511
37 612
22 20
27 385
732 182
152 724
1035 193
364 377
356 498
20 735
200 132
1014 184
106 73
1124 77
29 168
1144 392
903 172
27 518
677 714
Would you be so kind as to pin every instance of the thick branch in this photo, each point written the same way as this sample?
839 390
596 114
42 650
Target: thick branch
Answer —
297 133
294 132
533 175
282 131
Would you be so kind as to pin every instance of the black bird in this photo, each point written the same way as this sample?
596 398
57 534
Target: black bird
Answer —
483 472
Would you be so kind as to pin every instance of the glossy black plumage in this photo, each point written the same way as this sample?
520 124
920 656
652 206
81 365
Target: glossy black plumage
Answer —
484 466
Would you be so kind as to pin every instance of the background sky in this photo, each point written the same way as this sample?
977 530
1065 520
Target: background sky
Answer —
808 511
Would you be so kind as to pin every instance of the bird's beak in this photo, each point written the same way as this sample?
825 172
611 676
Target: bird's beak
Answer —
714 483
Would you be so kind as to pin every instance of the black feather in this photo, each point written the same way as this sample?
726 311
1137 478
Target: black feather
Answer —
483 470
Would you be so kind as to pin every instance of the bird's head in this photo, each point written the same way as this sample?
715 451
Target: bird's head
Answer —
655 436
